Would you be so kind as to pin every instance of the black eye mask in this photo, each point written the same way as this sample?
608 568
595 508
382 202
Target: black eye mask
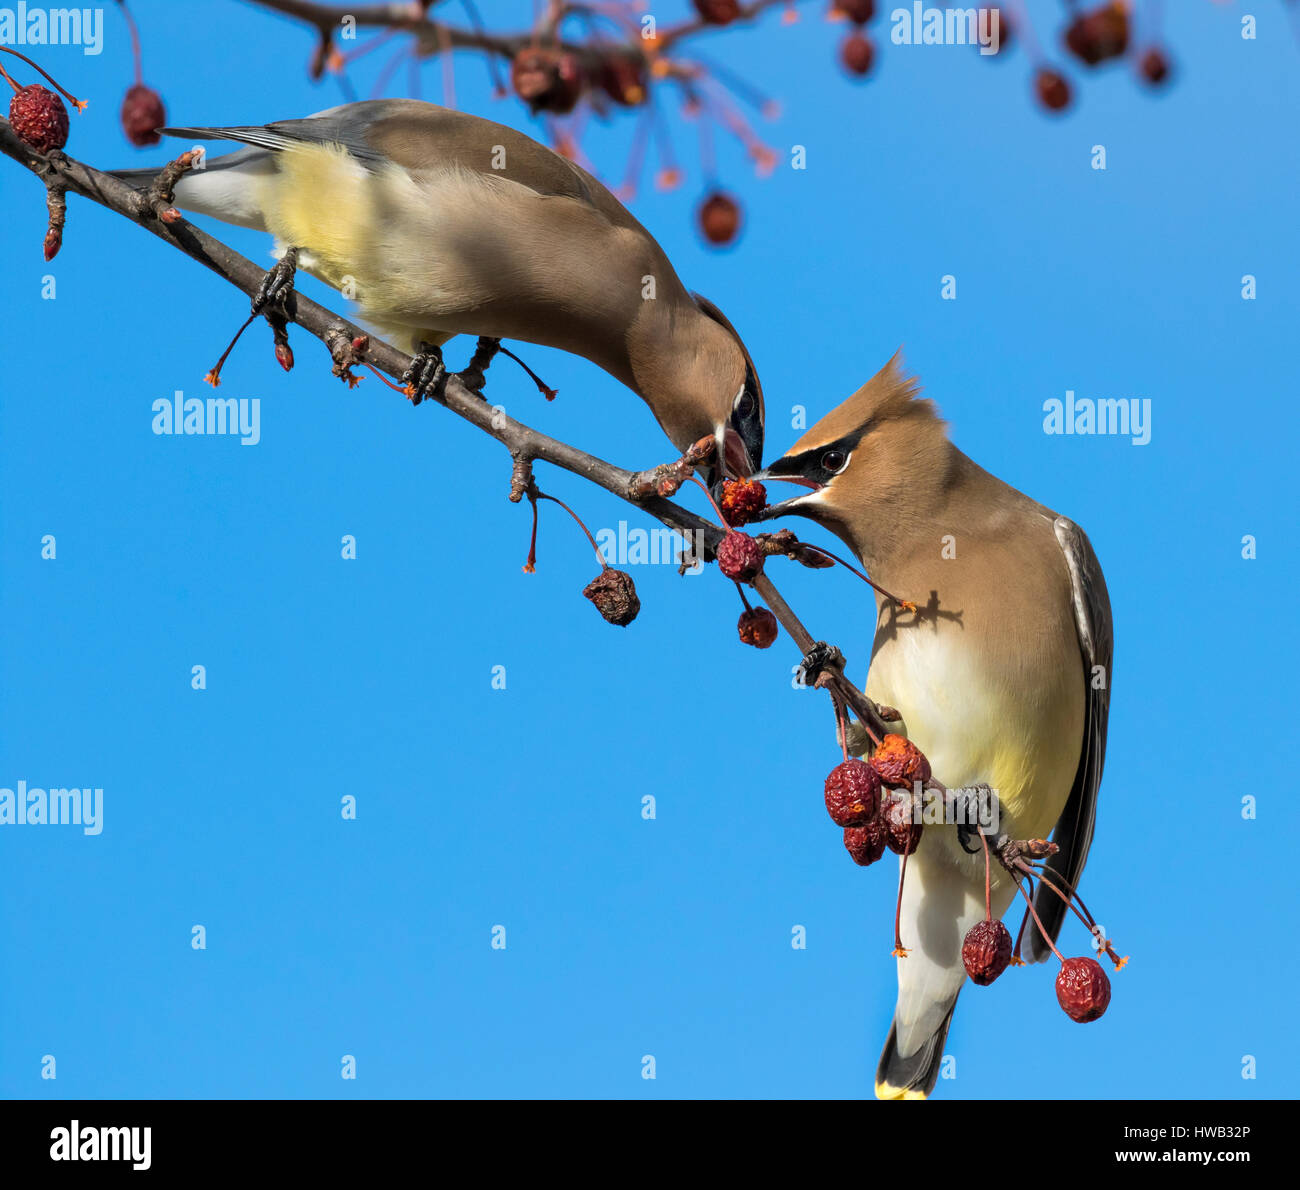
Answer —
749 424
810 464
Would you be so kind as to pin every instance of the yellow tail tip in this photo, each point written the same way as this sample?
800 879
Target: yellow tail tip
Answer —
885 1091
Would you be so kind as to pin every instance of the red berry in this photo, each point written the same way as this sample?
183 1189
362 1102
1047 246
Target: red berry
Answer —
1095 36
898 813
986 951
614 594
1053 90
853 794
719 217
1082 989
740 557
741 500
1154 67
866 843
546 79
623 79
142 114
757 627
857 53
718 12
900 762
857 11
1005 33
39 118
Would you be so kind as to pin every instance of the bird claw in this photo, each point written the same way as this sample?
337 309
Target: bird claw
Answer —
426 375
820 658
277 286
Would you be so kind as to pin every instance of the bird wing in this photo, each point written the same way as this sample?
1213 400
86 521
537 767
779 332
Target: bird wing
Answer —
420 136
1096 642
334 126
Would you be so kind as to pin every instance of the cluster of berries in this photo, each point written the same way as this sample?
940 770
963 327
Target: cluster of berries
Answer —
1095 36
40 120
857 50
873 800
740 557
877 802
550 79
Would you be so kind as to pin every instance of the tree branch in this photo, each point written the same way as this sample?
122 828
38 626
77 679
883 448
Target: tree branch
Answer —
525 444
436 36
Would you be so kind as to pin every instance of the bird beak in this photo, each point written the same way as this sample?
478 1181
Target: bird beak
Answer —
736 463
731 460
781 507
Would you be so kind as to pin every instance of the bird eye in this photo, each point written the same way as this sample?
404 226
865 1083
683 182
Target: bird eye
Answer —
745 404
833 461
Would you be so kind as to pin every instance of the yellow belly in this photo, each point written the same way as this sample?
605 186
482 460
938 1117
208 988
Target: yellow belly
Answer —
977 728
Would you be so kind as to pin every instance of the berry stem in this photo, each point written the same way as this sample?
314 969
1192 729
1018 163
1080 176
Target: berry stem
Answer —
135 39
1037 922
476 23
1020 933
397 388
1104 944
1023 26
214 377
906 604
1070 898
841 728
988 901
79 104
530 563
542 387
555 500
696 480
900 951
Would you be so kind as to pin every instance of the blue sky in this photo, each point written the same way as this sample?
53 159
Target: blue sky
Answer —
521 807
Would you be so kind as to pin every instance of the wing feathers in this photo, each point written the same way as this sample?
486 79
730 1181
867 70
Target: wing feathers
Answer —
1096 644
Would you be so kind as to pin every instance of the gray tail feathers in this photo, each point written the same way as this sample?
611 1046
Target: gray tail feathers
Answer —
912 1077
137 179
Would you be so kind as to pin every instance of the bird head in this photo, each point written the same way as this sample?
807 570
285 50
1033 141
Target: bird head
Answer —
867 463
736 410
698 378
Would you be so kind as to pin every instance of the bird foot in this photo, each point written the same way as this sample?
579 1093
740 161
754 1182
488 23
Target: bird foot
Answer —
277 286
427 374
472 375
976 811
822 659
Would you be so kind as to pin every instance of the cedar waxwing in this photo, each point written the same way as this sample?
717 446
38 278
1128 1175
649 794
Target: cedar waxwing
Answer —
440 223
1002 675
